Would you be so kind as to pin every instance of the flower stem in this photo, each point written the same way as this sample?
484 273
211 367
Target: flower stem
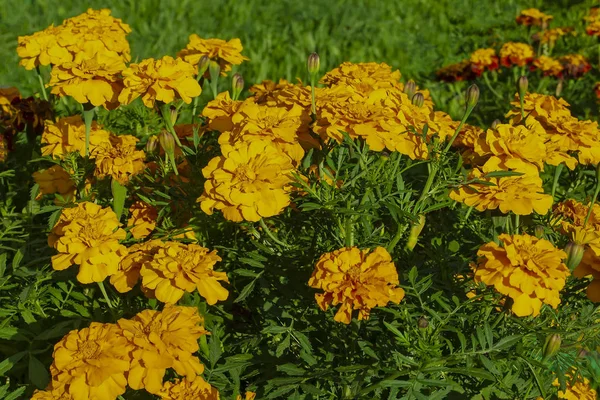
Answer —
103 290
557 173
517 220
41 81
271 235
88 118
593 202
166 114
489 85
313 98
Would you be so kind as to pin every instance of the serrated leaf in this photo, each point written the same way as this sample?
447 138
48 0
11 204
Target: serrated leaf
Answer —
16 394
282 346
291 369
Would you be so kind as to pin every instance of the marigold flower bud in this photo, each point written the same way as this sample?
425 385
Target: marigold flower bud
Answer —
423 323
313 63
173 115
203 65
237 85
574 254
410 88
472 96
522 85
167 142
152 144
552 345
495 123
418 99
214 69
539 231
559 88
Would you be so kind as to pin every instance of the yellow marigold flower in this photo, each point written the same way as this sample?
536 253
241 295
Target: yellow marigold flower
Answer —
92 77
7 95
267 90
95 26
593 28
513 144
590 267
177 268
142 220
529 270
42 48
219 112
119 159
55 180
548 65
88 235
574 213
92 363
519 194
280 126
543 108
533 16
3 149
51 394
482 59
248 183
575 65
577 389
247 396
197 389
518 54
67 135
128 274
551 36
226 53
373 75
356 279
162 340
163 80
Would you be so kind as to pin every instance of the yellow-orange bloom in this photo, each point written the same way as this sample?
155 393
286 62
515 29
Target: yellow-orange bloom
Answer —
119 159
363 75
356 279
533 16
142 220
197 389
482 59
520 194
550 36
219 112
55 180
577 389
575 65
92 363
247 396
226 53
177 268
67 135
42 48
166 80
518 54
548 65
128 273
529 270
162 340
92 77
248 183
88 235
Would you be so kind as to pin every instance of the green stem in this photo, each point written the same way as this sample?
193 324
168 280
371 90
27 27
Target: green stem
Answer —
166 114
41 81
390 247
591 207
313 97
517 220
271 235
88 118
103 290
348 232
489 85
557 173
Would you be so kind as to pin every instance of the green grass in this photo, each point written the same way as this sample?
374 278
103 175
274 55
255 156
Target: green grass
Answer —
416 36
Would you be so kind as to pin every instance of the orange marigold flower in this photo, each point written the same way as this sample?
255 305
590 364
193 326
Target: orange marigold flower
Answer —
119 159
88 235
529 270
55 180
575 65
42 48
248 183
518 54
92 77
92 363
364 77
197 389
67 135
267 90
513 145
226 53
280 126
551 36
162 340
482 59
163 80
577 389
533 16
520 194
128 274
219 112
548 65
177 268
142 220
356 279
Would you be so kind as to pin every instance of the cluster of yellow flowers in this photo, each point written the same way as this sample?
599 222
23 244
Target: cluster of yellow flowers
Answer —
593 22
100 361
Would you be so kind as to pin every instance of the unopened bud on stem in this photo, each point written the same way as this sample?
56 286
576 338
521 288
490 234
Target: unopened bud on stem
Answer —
472 96
173 115
167 142
539 231
152 144
214 70
410 88
237 85
418 99
423 323
495 123
522 85
552 345
203 65
574 254
313 64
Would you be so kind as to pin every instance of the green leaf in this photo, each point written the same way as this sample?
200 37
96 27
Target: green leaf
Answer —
119 193
16 394
281 347
19 255
247 290
291 369
502 174
7 364
507 342
3 257
38 374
